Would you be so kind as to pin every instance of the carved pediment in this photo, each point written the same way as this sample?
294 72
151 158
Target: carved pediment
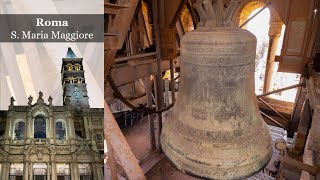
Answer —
39 151
85 150
40 108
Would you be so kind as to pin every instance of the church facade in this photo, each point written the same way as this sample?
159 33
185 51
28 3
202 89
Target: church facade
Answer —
40 141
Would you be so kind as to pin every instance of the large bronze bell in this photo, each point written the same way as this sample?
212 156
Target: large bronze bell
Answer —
215 130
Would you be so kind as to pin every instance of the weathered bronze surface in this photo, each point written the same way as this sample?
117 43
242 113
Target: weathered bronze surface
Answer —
215 130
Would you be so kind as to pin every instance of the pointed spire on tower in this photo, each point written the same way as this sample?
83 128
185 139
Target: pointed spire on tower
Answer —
70 53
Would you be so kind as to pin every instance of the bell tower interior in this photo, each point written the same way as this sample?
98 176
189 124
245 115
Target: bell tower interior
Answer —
178 77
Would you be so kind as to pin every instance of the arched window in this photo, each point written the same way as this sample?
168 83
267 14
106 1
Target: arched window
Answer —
19 130
70 68
72 79
40 127
77 67
61 130
79 80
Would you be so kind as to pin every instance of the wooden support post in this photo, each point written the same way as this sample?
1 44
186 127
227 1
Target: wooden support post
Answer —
166 91
159 84
148 87
123 152
300 98
314 134
173 82
303 128
108 60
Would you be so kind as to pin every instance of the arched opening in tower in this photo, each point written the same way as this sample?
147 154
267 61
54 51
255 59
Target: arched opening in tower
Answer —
259 26
269 30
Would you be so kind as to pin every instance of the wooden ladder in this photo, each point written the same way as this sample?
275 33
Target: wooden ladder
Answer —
118 17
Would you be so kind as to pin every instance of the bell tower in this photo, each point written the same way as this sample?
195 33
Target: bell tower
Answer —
73 82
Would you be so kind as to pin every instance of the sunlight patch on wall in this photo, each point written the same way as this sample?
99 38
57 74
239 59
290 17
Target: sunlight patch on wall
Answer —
9 82
25 75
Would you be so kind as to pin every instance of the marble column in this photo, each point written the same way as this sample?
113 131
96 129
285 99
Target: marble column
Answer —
274 36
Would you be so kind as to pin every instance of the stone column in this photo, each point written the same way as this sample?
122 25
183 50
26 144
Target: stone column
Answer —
48 170
31 128
26 167
31 171
71 170
5 170
8 126
71 126
86 128
51 127
53 170
94 171
74 169
97 168
28 125
274 36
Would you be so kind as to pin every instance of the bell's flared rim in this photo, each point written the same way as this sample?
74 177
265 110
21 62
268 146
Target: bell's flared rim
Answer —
262 164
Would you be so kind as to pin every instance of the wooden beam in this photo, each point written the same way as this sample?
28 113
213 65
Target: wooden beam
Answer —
124 73
148 88
264 102
177 14
273 120
120 27
118 142
300 98
137 56
280 90
112 162
314 134
303 128
193 14
108 60
300 165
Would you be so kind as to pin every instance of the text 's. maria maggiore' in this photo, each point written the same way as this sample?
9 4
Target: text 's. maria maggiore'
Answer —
53 35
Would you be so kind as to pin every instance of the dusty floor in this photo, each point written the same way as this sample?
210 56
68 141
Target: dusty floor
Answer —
153 163
137 137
